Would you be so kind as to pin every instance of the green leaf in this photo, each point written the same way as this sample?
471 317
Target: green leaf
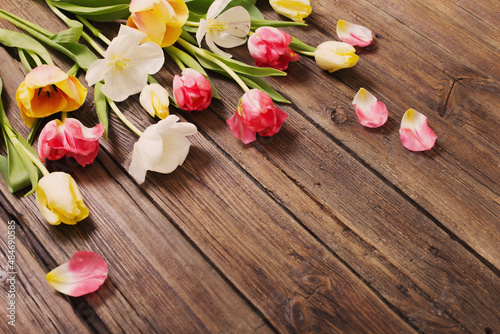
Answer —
68 35
240 67
258 83
101 108
100 13
17 40
254 24
301 46
198 6
93 3
190 62
187 36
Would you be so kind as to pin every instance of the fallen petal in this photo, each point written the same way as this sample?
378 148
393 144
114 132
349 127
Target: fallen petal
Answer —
415 134
354 34
84 273
371 113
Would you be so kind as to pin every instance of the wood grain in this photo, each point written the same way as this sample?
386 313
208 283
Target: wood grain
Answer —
326 227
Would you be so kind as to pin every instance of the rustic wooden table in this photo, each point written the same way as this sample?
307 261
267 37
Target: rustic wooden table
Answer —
325 227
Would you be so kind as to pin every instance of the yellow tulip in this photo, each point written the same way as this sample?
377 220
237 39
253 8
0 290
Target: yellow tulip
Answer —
47 90
161 20
59 200
333 56
296 10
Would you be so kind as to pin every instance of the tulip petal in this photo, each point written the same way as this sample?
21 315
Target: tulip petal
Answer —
371 113
354 34
216 7
240 130
147 58
97 71
44 75
84 273
415 134
154 99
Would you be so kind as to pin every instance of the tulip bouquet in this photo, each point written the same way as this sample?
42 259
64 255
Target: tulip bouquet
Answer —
192 34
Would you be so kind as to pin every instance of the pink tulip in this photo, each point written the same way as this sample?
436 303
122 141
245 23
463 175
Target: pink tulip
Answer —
415 134
70 138
256 114
192 91
269 48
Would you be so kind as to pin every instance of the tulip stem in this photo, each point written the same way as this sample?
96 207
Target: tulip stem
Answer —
30 155
192 24
96 32
122 117
208 56
73 70
305 53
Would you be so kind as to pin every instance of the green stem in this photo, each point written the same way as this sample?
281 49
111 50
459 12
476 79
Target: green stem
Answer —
192 24
203 53
64 115
123 118
24 60
35 58
18 145
305 53
73 70
96 32
176 59
92 43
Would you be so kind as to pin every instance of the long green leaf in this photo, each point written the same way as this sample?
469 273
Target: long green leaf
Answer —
15 39
68 35
101 108
297 44
93 3
107 13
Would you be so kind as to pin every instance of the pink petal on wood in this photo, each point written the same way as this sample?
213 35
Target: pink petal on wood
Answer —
415 134
371 113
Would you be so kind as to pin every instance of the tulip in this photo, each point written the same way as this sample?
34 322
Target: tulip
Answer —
371 113
228 29
255 114
71 139
59 200
84 273
269 48
47 90
126 65
192 91
154 98
160 20
414 132
333 56
296 10
161 148
354 34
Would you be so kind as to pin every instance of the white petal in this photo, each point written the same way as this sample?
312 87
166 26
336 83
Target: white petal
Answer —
97 70
175 151
237 20
148 96
150 149
202 30
136 168
119 86
147 58
216 7
214 48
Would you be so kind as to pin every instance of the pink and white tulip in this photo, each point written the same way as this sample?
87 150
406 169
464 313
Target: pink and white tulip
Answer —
269 47
192 91
415 134
71 139
255 114
354 34
371 113
84 273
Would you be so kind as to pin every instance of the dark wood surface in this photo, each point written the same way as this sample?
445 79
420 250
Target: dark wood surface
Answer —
325 227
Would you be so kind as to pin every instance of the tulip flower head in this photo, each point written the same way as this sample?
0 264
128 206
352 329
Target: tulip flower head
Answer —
371 113
47 90
354 34
269 48
192 91
161 148
333 56
154 98
255 114
295 10
59 200
84 273
228 30
160 20
414 132
71 139
126 65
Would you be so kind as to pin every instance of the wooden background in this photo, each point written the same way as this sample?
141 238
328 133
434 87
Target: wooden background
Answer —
325 227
